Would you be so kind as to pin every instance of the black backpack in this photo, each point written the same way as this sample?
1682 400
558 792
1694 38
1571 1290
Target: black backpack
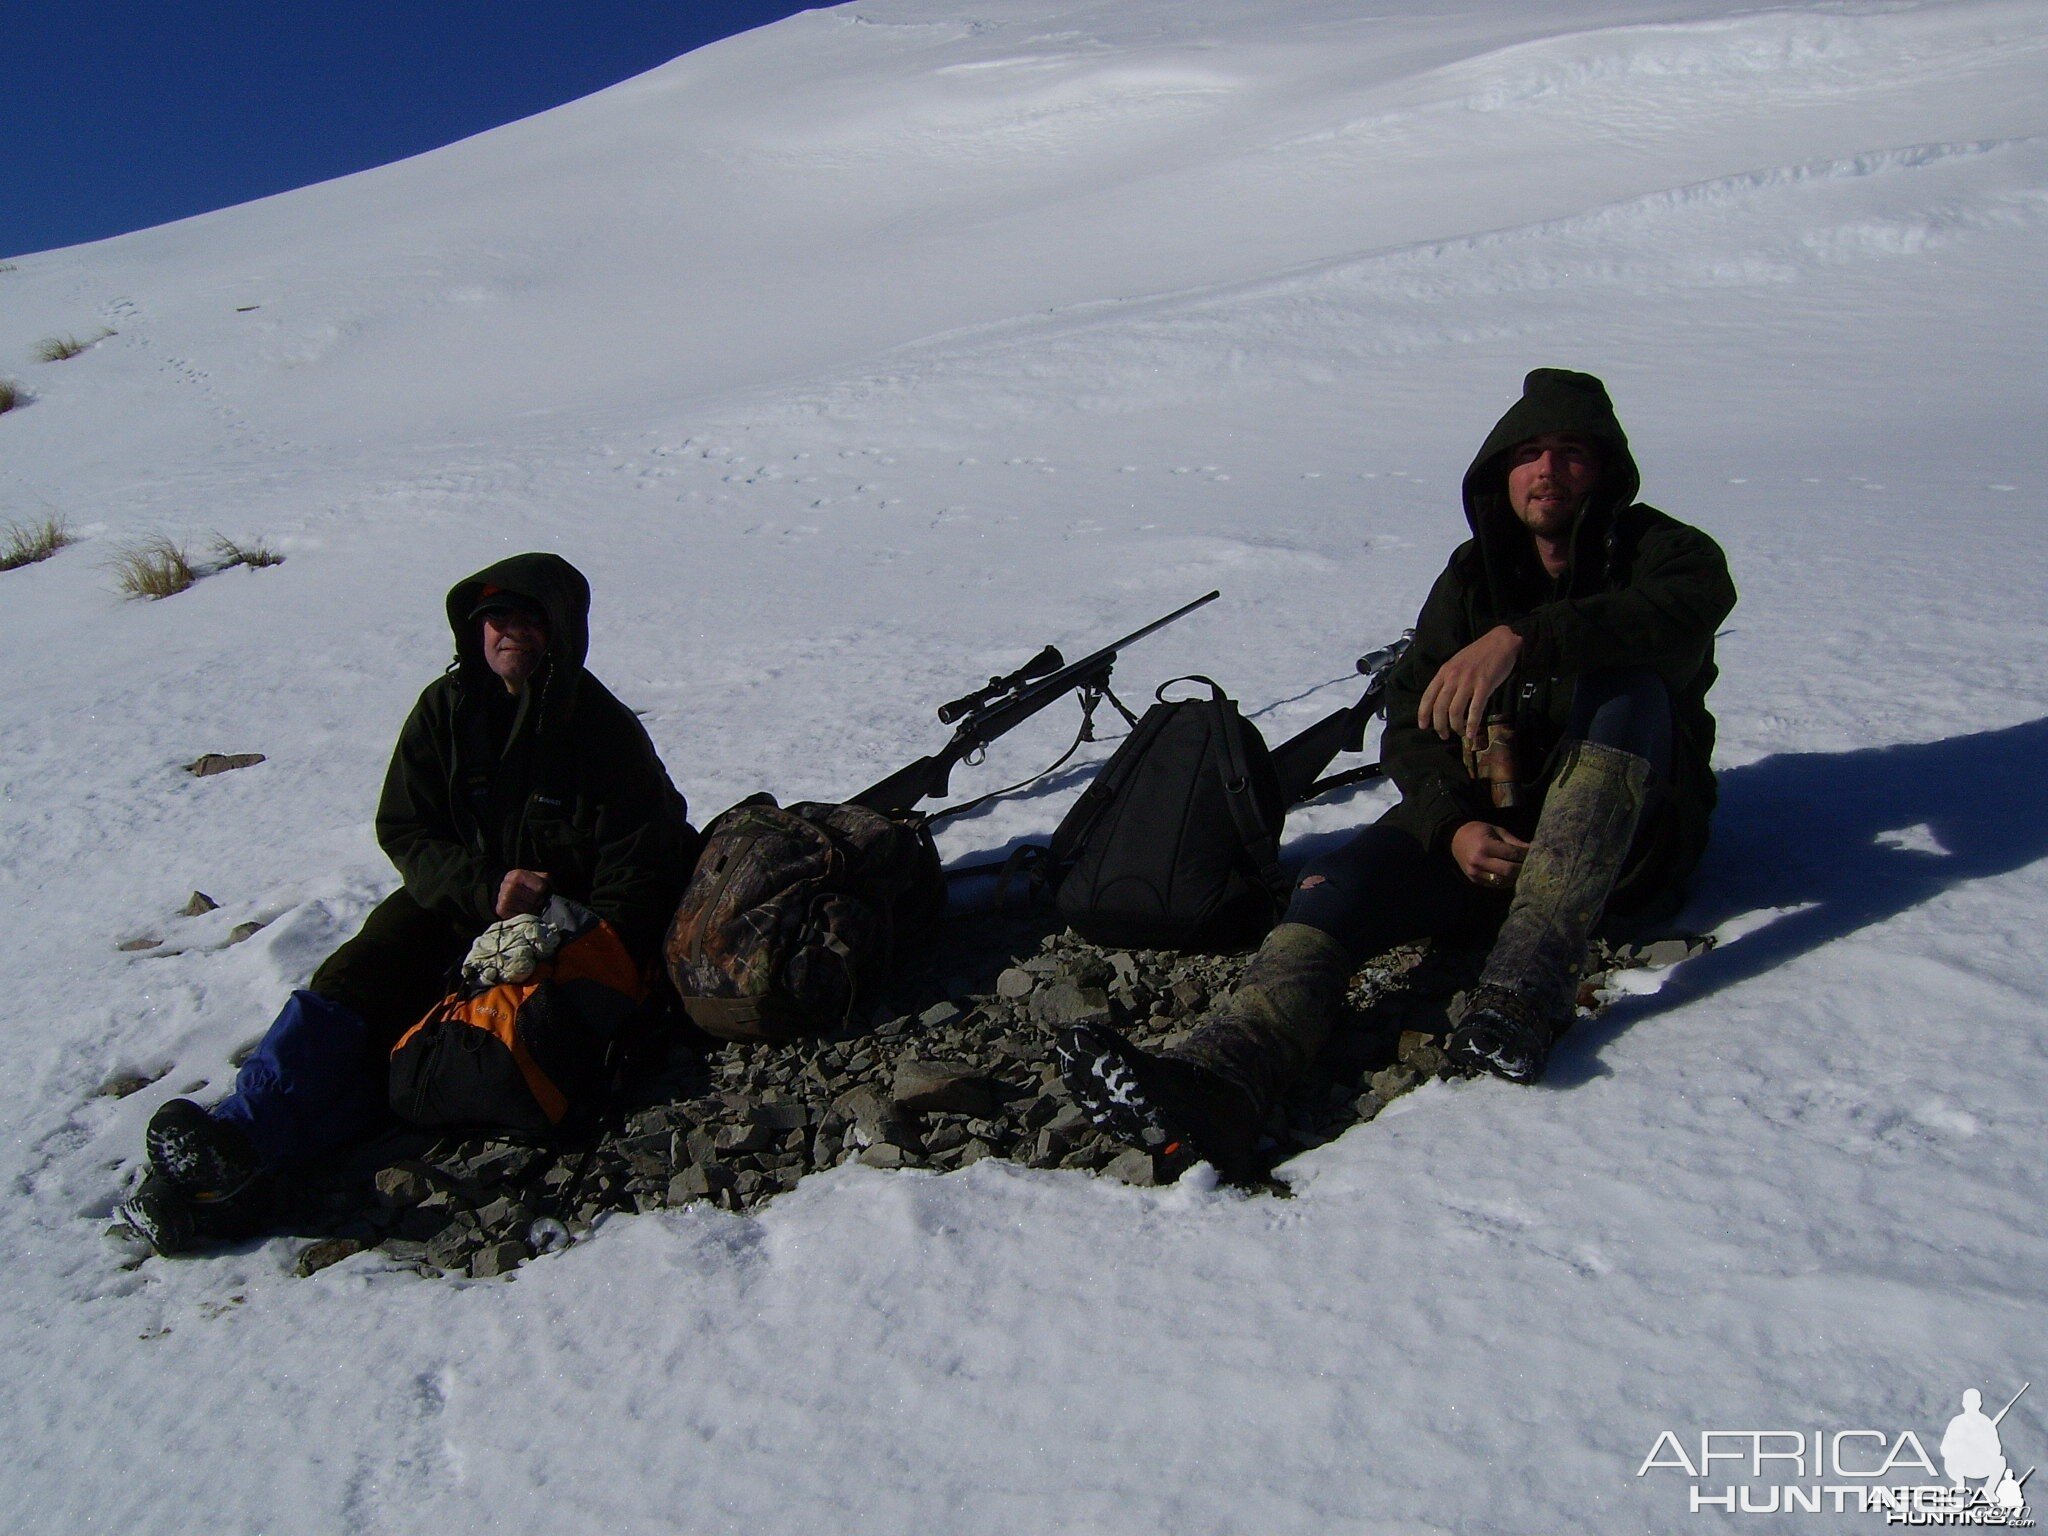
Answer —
1176 844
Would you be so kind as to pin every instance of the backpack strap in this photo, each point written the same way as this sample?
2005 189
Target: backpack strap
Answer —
1260 841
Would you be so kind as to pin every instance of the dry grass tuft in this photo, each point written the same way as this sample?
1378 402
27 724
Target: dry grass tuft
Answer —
155 568
255 554
55 349
11 395
26 543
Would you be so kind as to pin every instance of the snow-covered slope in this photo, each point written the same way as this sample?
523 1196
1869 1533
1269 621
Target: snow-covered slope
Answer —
854 359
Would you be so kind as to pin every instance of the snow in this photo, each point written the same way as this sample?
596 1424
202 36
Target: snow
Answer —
856 358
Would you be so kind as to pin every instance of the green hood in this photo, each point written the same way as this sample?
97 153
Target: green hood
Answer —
1553 400
555 586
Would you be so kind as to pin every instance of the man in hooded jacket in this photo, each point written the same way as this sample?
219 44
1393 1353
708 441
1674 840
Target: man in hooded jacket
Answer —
1577 625
518 778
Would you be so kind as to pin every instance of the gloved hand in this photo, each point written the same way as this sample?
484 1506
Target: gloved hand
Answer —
510 951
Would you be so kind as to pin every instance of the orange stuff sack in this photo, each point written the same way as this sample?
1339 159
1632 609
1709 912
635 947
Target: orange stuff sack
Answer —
528 1055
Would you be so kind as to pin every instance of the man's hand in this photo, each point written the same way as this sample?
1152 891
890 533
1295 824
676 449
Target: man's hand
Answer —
1488 855
522 891
1454 703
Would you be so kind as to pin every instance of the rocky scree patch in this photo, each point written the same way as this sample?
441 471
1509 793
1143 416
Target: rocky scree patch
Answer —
954 1065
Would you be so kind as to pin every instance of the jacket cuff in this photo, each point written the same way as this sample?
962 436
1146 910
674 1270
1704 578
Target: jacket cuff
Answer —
1539 644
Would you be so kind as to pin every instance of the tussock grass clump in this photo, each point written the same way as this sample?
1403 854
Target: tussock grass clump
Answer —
55 349
11 395
26 543
255 554
154 568
6 267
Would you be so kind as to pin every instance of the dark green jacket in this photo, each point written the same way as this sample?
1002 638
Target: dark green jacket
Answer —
1640 589
561 778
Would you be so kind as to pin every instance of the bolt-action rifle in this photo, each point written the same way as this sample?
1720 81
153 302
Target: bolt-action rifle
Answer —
979 717
1301 757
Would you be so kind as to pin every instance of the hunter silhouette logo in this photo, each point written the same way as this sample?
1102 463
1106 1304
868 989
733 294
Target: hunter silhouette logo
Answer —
1811 1471
1971 1450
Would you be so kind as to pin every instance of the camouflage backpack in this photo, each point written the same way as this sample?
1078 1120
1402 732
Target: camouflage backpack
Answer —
795 912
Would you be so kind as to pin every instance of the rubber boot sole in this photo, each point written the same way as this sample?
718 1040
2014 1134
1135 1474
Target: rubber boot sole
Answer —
1118 1087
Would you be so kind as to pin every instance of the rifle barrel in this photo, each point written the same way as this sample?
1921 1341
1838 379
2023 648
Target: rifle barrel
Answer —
2008 1407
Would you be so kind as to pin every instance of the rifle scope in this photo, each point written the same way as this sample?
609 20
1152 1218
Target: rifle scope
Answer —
1045 662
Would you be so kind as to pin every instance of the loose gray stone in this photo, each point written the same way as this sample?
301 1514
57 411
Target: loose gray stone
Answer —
398 1188
243 931
501 1213
939 1015
1391 1082
698 1183
451 1247
1069 1120
1422 1052
1039 1111
735 1139
1015 982
1134 1166
131 946
318 1256
1069 1002
1090 970
883 1155
198 906
121 1084
209 763
1666 952
874 1117
498 1259
923 1087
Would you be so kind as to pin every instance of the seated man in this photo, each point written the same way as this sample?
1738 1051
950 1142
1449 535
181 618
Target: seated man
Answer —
517 778
1574 631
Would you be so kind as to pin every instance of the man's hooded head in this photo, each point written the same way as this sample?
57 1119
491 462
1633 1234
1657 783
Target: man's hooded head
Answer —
1554 401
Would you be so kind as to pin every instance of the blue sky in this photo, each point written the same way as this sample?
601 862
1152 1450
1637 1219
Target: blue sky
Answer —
121 114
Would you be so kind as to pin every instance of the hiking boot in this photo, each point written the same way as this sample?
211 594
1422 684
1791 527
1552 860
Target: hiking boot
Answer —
160 1214
1502 1033
1277 1019
1173 1109
1530 985
205 1159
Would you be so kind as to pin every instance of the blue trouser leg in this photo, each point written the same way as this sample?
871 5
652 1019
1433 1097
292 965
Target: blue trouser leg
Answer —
1627 708
320 1078
305 1091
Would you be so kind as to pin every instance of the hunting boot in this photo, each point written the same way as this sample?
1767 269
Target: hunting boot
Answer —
207 1159
206 1180
161 1215
1526 994
1206 1098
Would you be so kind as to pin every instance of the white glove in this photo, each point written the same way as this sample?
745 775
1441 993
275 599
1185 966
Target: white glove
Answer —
510 951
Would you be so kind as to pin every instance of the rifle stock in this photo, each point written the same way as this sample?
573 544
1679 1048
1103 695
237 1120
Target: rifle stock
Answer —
1302 757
